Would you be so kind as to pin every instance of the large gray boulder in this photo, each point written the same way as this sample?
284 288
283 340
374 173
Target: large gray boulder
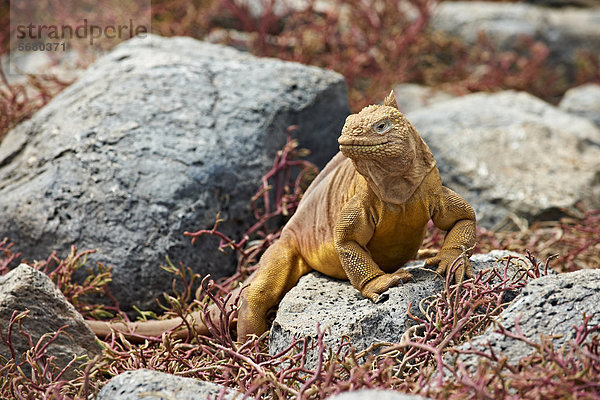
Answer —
152 385
550 306
153 140
25 288
341 310
509 153
565 31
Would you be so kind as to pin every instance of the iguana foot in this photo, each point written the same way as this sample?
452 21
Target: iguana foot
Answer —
445 259
376 286
251 321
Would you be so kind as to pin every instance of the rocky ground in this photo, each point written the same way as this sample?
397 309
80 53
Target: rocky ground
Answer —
160 134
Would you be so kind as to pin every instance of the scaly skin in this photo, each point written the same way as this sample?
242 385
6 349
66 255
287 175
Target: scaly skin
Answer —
362 219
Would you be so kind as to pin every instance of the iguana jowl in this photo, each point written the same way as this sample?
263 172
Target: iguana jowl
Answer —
362 219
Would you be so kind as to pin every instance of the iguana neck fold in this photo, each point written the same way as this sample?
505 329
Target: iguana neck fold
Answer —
390 184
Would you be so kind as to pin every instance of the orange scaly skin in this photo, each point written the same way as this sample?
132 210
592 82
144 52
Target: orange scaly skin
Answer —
362 219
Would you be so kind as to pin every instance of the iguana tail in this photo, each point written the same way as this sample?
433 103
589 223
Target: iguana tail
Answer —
138 332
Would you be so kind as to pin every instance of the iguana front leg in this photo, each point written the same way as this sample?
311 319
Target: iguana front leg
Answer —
453 214
353 230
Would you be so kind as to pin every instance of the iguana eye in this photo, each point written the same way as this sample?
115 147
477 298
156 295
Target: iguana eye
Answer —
382 127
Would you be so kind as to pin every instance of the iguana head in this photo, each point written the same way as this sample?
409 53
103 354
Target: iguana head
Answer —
387 150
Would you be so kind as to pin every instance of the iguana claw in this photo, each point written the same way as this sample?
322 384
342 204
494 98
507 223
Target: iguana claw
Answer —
378 285
444 261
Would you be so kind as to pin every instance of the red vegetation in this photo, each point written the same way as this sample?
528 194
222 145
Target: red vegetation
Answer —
374 48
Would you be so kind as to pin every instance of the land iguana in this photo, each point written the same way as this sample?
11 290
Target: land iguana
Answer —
362 218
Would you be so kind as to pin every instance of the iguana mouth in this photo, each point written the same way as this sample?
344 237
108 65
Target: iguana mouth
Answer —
361 147
354 141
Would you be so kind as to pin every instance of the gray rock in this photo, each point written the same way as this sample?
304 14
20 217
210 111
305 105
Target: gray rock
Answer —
584 101
25 288
153 385
340 309
511 153
564 31
411 96
369 394
550 305
155 139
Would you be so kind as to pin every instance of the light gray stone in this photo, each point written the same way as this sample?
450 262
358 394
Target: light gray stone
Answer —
152 385
411 96
550 305
369 394
564 30
584 101
341 310
509 153
25 288
153 140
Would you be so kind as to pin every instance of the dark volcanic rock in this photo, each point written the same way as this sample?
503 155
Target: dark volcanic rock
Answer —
153 140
